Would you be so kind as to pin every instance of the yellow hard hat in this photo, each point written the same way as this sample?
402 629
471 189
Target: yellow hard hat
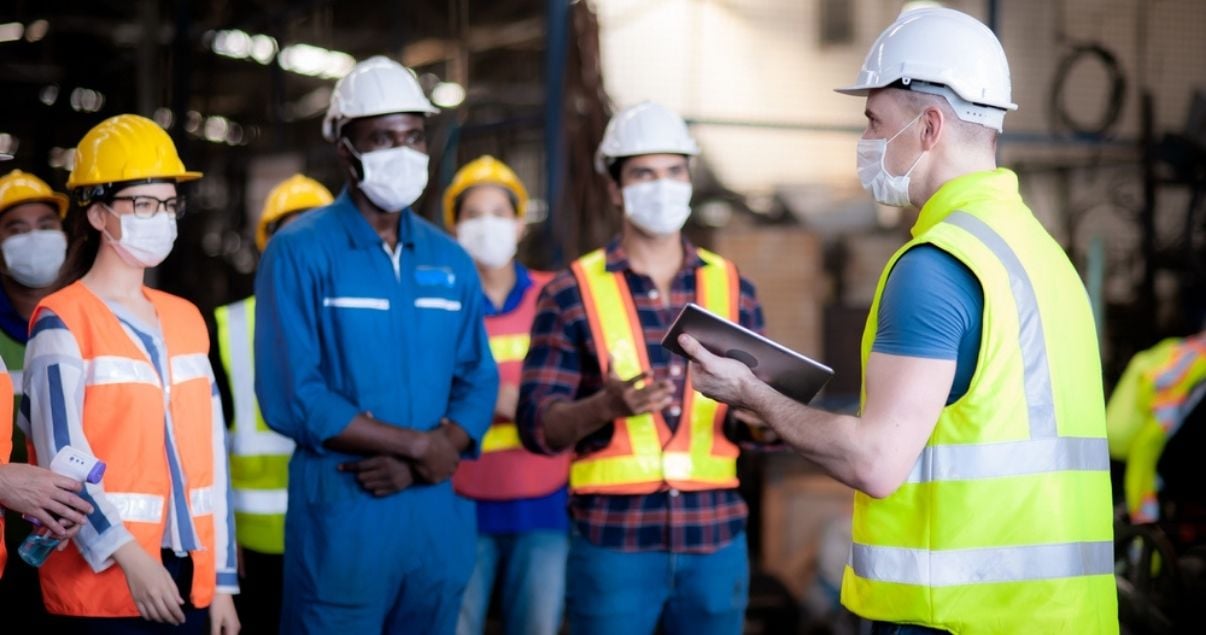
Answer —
484 170
21 187
126 148
295 194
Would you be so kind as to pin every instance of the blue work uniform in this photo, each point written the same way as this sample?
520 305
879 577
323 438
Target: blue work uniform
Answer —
346 326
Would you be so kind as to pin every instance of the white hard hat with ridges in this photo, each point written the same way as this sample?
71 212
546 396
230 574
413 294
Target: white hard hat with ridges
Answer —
945 47
646 128
375 86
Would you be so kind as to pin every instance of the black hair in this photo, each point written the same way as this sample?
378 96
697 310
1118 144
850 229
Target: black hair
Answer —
460 198
616 168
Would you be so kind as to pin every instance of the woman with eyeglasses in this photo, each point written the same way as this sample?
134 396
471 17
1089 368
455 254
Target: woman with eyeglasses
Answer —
121 371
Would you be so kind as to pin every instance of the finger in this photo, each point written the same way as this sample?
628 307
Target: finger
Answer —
142 610
65 513
216 626
633 381
73 501
174 608
694 349
156 609
352 467
50 522
66 483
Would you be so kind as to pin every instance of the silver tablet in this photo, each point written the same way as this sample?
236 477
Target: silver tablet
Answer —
785 370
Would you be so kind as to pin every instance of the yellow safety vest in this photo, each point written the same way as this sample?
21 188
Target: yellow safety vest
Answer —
1160 387
644 456
259 457
1005 523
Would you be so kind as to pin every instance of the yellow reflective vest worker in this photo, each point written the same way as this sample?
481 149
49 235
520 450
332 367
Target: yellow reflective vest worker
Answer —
1159 388
259 457
1005 523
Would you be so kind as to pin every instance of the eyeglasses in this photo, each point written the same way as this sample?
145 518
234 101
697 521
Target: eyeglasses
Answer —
148 206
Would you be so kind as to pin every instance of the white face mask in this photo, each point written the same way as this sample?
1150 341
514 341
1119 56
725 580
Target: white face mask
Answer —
659 207
34 258
885 188
491 240
145 242
393 178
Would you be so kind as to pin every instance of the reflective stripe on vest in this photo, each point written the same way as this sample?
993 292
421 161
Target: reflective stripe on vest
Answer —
643 455
1004 524
263 502
513 347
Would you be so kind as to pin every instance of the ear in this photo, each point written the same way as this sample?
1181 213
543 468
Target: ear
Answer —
933 122
351 165
614 192
97 217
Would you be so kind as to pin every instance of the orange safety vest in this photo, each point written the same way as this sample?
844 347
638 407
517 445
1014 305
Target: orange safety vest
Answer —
643 455
6 445
123 420
505 470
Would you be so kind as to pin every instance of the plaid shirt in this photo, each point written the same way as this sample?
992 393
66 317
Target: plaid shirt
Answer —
562 365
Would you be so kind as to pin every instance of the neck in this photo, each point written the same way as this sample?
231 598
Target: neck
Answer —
23 298
111 278
652 255
383 222
947 169
497 282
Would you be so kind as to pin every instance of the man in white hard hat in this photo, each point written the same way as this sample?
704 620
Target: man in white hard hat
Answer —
979 458
371 355
659 528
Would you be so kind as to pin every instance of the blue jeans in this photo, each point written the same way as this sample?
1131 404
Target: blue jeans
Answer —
614 592
530 567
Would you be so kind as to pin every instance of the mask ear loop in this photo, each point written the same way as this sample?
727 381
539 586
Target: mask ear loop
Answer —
883 158
357 164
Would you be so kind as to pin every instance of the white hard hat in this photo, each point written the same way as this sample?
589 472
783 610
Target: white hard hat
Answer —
942 52
376 86
646 128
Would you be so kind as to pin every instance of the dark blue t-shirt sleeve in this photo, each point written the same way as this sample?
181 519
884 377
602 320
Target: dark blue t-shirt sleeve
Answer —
932 307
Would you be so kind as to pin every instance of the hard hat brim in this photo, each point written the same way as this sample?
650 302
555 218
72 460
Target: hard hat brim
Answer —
179 177
59 201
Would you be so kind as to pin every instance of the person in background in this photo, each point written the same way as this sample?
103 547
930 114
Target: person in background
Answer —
120 371
259 457
1159 389
659 527
523 530
371 354
979 457
33 246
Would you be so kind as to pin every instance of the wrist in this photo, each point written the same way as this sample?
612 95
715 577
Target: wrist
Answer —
606 407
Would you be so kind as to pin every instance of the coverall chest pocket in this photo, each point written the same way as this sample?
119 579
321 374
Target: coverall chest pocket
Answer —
437 308
359 317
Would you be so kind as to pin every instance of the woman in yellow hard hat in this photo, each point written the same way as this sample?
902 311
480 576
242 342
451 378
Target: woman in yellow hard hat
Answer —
121 371
523 529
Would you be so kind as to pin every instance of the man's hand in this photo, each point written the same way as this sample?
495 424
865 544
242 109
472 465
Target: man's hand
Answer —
508 402
436 457
624 399
39 493
760 431
723 379
381 475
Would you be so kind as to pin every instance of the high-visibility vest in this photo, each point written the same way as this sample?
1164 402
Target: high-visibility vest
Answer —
643 455
6 446
1005 523
123 421
1159 389
259 457
505 471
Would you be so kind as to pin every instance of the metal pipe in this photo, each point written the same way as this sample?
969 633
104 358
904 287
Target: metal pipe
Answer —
556 51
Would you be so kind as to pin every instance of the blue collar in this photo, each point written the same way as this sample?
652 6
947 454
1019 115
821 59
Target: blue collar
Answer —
11 322
523 282
360 233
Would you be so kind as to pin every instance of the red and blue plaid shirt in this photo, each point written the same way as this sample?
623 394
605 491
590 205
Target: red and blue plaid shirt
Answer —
562 365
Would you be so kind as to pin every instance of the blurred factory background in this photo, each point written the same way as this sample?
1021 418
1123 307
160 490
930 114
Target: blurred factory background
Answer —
1109 142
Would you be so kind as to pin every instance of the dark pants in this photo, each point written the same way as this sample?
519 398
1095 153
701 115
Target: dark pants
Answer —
888 628
20 593
259 598
196 620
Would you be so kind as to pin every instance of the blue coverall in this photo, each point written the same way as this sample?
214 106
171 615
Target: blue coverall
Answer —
344 326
